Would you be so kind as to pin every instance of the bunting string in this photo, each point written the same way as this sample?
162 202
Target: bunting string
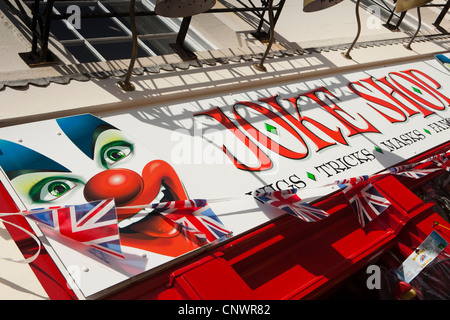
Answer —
364 197
30 234
204 226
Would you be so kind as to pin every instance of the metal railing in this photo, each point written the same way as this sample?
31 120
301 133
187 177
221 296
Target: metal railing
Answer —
41 23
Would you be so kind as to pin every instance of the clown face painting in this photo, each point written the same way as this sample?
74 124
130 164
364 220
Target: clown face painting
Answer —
82 158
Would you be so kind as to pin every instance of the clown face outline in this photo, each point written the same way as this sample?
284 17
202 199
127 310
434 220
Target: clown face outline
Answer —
108 164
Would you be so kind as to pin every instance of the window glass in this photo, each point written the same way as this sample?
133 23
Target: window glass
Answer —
110 38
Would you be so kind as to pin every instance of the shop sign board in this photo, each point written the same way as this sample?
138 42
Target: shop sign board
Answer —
303 135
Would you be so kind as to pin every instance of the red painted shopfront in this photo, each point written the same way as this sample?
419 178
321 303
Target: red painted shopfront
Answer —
285 258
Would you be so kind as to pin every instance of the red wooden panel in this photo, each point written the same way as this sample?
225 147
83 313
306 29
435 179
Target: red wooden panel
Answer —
398 194
213 279
43 267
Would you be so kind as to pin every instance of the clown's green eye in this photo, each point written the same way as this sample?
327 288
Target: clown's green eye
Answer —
52 188
114 152
55 189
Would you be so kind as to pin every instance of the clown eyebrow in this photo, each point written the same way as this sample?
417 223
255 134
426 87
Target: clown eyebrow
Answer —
83 130
16 160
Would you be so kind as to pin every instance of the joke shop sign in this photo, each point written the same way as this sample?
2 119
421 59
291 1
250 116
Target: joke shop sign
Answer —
302 135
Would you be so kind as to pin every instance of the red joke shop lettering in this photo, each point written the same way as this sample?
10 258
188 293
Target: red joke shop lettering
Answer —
395 97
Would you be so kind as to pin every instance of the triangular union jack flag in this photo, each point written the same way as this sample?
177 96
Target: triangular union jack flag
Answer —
412 173
93 224
290 202
196 219
442 160
365 199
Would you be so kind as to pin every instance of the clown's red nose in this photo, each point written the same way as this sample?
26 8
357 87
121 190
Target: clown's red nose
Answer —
121 184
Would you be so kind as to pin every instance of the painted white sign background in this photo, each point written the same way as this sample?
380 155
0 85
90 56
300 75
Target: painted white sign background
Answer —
169 130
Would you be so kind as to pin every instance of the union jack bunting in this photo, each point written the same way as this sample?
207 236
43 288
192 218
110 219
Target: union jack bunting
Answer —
93 224
290 202
353 180
398 169
415 173
196 218
442 160
365 199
